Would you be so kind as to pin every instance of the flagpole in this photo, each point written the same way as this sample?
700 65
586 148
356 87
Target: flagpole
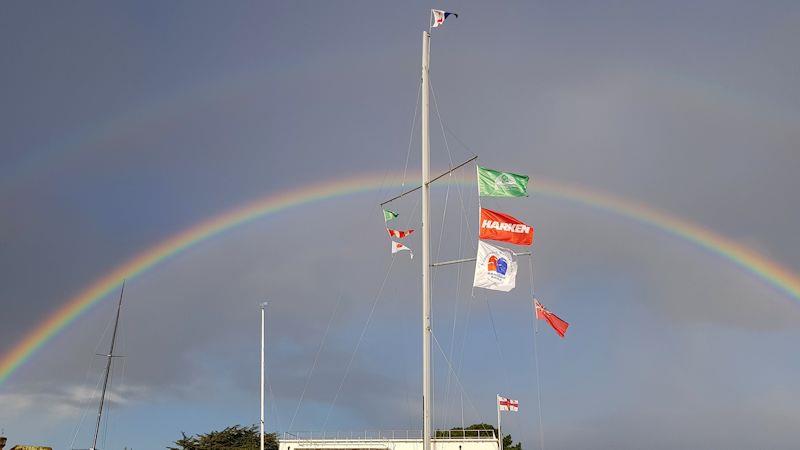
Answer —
261 438
499 433
426 268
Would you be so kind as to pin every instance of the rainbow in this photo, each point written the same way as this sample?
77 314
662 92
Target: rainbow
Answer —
747 259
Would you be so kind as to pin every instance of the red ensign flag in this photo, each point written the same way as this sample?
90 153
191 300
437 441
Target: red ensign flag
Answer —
543 314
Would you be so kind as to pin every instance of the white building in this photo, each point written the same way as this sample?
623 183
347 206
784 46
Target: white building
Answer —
390 440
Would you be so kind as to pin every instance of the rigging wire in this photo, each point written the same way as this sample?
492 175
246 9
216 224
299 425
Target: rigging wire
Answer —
433 278
497 342
455 316
273 401
458 380
381 192
85 408
267 379
358 343
124 363
441 230
446 129
411 135
536 356
465 217
453 342
462 217
411 217
449 154
444 135
314 364
462 350
464 334
85 403
455 136
408 224
407 330
402 186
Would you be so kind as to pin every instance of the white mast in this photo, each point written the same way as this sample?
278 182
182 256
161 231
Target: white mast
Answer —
261 438
426 268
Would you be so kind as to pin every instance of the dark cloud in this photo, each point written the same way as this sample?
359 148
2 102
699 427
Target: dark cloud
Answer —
126 125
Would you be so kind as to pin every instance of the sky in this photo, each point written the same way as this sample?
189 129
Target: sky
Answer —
123 124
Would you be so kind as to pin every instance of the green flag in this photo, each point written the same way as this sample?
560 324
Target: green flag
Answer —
493 183
389 215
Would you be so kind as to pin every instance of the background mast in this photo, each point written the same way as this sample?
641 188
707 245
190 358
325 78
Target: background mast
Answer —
110 355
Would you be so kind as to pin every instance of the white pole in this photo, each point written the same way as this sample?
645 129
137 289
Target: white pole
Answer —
426 268
499 433
263 308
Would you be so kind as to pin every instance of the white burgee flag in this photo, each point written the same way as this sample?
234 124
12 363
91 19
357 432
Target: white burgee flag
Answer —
398 247
439 17
495 268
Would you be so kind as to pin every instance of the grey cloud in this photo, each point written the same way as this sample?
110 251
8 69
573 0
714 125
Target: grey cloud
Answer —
688 109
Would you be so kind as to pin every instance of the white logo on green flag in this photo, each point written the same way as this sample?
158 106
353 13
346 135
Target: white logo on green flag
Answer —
389 215
493 183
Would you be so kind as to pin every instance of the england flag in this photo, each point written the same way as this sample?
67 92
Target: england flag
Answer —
506 404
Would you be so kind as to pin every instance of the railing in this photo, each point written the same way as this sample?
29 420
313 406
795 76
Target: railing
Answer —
383 435
464 434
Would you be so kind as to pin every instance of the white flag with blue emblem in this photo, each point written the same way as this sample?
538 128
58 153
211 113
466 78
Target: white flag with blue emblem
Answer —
495 268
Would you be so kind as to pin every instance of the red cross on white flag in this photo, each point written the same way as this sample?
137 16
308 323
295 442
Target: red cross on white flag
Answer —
507 404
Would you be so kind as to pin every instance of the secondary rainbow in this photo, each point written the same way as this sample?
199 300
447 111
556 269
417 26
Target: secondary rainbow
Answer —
751 261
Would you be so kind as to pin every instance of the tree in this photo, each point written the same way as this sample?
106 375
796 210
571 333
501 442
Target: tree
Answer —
237 437
508 442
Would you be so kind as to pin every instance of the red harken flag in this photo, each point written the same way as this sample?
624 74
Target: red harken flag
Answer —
502 227
543 314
